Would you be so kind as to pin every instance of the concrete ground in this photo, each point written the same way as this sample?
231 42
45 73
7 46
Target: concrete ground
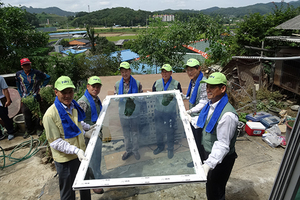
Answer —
252 177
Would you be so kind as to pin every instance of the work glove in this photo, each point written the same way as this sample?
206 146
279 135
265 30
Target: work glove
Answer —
89 133
93 126
129 107
167 98
80 155
206 168
183 96
187 114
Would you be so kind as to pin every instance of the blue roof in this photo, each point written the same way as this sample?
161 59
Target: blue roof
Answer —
73 51
126 55
66 33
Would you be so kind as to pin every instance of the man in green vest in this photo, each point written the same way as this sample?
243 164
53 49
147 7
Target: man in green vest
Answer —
91 105
129 109
218 122
197 96
165 110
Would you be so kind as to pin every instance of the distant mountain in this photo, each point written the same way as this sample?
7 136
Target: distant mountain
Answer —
50 10
236 11
232 11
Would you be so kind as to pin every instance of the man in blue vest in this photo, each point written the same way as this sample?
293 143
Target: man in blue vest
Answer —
197 96
165 110
129 109
62 122
91 105
218 122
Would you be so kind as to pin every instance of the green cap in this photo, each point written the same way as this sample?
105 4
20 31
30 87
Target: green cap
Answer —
166 67
63 82
93 80
215 79
125 65
192 62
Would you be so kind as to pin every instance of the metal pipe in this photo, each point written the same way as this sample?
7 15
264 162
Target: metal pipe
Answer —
267 58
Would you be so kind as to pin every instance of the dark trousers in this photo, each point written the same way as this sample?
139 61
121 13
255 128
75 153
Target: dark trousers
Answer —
31 123
67 173
130 127
8 123
218 177
164 125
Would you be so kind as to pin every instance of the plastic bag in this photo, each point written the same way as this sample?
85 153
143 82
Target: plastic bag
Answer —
274 130
272 139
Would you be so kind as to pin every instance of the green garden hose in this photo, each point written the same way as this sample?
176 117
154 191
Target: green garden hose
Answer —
33 143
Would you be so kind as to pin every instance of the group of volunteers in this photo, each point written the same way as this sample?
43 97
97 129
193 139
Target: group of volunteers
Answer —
213 120
69 124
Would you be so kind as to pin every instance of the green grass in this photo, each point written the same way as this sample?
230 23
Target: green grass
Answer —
116 38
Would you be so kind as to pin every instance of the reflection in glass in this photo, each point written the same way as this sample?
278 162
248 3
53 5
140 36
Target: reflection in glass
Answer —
141 125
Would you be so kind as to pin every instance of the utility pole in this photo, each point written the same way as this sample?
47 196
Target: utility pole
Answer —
89 8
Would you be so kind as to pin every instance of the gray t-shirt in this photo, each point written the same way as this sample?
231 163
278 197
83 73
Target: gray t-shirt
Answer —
3 85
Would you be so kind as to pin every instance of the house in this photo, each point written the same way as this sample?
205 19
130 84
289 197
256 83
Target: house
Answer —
80 42
287 70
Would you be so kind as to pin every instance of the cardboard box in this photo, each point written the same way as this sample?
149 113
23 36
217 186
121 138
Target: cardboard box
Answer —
255 128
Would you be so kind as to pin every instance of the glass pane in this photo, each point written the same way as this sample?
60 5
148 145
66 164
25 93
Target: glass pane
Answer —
143 137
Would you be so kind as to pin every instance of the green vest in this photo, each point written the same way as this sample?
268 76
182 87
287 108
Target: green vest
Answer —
208 139
197 99
160 87
122 102
124 92
88 113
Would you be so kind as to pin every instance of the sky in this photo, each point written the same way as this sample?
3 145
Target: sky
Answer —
147 5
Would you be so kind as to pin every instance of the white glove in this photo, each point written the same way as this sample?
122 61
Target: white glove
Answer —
89 133
80 155
206 168
189 112
183 96
186 113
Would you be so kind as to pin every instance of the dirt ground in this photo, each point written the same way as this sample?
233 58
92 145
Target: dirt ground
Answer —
252 177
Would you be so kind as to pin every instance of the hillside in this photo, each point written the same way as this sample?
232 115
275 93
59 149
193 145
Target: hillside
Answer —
232 11
236 11
50 10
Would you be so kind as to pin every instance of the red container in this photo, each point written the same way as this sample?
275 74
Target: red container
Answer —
255 128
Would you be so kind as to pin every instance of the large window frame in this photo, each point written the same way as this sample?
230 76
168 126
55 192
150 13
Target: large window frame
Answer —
197 176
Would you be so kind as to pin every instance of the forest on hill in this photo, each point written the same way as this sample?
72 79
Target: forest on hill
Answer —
128 17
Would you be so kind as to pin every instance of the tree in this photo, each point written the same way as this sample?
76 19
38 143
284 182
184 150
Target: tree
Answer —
104 46
163 43
91 33
255 27
18 39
